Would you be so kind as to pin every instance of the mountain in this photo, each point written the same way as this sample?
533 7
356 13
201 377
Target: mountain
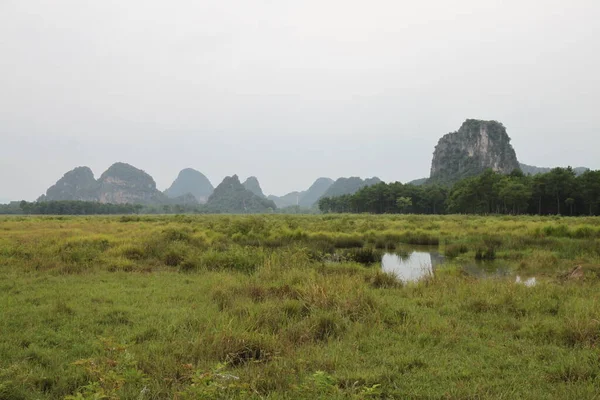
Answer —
191 181
123 183
531 170
184 199
252 185
475 147
77 184
349 186
306 198
315 192
119 184
232 197
418 182
287 200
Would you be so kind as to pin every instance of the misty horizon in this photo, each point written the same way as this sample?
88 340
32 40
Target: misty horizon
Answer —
288 92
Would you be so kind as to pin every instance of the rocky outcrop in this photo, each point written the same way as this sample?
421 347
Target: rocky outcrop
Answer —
193 182
232 197
77 184
123 183
475 147
252 185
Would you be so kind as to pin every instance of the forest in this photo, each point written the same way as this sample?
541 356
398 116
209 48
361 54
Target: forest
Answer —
558 192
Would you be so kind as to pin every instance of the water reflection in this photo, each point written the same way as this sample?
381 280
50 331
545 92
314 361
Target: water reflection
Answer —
411 266
486 269
527 282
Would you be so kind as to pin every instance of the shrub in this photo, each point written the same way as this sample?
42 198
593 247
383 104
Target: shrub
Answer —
132 252
384 280
454 250
487 254
363 256
242 260
347 242
420 238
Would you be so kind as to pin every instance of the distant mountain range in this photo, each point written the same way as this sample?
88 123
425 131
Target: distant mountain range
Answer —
123 183
474 147
306 198
531 170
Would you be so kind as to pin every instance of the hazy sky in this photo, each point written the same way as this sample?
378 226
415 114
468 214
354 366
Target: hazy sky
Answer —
288 90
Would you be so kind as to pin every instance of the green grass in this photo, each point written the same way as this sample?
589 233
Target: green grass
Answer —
252 307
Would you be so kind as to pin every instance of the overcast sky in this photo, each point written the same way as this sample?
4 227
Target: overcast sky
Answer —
288 90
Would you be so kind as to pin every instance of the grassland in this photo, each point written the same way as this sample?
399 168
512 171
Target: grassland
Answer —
250 307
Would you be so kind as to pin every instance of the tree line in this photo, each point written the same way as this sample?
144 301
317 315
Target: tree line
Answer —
558 192
76 207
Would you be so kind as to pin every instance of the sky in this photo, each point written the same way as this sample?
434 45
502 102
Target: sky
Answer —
288 90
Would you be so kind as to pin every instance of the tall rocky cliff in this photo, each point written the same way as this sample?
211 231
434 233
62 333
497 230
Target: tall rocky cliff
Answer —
476 146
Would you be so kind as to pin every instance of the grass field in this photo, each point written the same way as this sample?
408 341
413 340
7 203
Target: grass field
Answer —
202 307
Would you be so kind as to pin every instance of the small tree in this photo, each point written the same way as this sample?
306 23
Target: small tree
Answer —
404 204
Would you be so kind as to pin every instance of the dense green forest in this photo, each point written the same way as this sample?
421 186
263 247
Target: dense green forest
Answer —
559 191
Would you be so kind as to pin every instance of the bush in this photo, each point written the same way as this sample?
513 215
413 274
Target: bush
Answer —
242 260
384 280
363 256
454 250
485 254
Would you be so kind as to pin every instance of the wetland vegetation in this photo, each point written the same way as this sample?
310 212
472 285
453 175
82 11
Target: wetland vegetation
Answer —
281 306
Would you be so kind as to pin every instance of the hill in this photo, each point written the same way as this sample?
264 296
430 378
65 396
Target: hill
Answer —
315 192
77 184
287 200
119 184
193 182
252 185
350 185
123 183
232 197
532 170
306 198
